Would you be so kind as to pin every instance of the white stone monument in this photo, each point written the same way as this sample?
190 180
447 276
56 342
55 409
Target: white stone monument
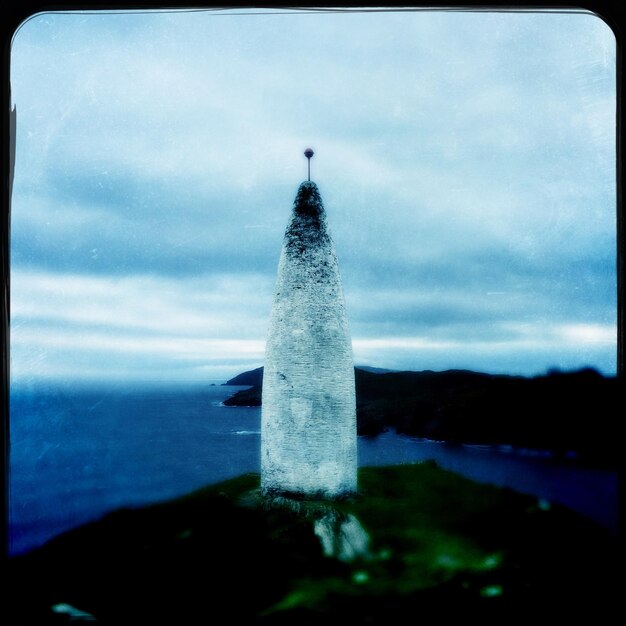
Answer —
308 431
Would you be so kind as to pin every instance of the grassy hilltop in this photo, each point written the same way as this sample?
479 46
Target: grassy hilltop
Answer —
440 546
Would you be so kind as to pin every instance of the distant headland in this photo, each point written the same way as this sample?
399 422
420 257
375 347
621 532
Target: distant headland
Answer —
573 414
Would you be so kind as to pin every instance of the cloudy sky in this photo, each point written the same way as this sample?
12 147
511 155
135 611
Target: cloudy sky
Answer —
466 162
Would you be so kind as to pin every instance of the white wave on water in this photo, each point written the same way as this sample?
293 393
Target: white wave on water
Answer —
247 432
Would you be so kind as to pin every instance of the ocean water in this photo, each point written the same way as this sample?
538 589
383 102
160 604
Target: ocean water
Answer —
78 453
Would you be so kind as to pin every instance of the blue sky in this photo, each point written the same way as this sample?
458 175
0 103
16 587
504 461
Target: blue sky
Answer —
466 161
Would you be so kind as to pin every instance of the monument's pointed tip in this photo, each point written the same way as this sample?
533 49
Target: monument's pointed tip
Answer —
308 200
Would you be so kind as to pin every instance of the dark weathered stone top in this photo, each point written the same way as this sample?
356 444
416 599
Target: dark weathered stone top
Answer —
307 229
308 200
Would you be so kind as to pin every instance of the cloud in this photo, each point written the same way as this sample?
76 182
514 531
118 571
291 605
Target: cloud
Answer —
137 327
142 327
210 306
466 161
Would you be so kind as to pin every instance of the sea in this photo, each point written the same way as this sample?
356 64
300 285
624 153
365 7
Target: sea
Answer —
80 452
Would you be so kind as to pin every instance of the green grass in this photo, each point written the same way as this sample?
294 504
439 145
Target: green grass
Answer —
427 526
438 542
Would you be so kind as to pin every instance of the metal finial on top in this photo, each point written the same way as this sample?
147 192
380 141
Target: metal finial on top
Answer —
308 153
